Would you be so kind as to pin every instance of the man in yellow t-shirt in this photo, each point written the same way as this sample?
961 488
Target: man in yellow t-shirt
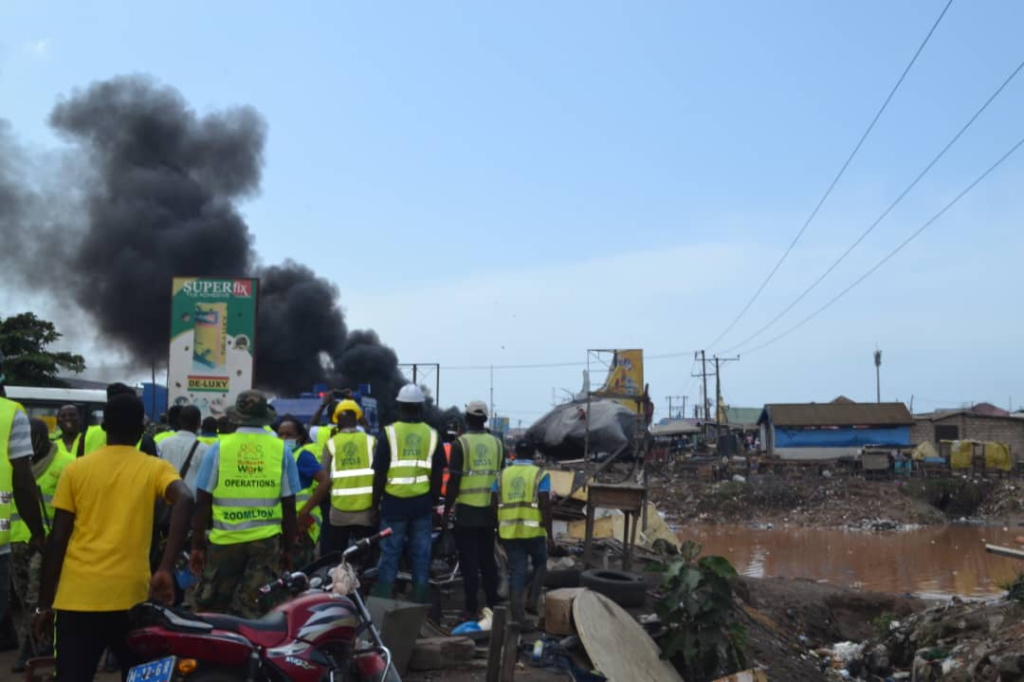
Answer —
100 543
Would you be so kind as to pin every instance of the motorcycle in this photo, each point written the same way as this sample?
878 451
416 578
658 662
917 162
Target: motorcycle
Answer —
316 636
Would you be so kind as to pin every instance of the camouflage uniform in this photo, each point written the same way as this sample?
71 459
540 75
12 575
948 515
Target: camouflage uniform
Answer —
304 551
234 575
26 568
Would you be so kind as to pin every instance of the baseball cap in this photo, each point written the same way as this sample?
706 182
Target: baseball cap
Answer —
477 408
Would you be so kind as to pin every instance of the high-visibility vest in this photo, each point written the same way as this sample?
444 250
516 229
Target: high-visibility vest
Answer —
303 496
247 499
163 435
323 436
96 438
519 516
351 473
47 483
481 459
447 471
412 446
73 450
8 408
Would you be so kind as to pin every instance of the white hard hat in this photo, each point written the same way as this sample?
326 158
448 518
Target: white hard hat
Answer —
410 393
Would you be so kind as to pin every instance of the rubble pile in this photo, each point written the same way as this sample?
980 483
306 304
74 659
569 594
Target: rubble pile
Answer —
837 502
955 642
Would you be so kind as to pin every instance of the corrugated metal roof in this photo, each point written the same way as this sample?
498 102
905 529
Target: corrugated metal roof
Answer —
742 416
838 414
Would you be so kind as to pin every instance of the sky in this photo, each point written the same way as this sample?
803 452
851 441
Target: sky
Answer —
516 183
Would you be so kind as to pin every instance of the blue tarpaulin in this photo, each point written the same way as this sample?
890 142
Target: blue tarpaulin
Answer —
842 437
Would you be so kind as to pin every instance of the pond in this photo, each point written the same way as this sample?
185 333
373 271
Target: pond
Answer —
929 562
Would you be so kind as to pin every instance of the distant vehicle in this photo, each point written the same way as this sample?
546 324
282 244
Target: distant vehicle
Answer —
44 403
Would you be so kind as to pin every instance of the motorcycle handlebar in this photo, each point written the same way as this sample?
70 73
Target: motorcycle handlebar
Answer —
290 580
366 542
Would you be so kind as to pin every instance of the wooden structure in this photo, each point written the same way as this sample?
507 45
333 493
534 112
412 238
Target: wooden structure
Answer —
629 499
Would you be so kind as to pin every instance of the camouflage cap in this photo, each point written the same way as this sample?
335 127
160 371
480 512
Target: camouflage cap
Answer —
251 409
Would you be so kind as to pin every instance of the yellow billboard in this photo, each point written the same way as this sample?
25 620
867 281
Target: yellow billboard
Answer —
625 382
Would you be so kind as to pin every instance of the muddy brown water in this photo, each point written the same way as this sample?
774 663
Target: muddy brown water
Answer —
929 562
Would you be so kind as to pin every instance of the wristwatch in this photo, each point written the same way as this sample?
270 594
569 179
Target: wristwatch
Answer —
40 611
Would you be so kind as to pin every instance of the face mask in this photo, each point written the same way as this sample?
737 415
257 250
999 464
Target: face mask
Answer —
290 443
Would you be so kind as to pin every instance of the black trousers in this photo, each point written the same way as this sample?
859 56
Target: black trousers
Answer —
337 539
476 561
80 638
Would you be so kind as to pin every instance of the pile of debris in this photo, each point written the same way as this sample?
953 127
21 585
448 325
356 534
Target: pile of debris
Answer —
955 642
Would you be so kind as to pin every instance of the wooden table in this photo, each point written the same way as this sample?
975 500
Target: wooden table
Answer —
629 499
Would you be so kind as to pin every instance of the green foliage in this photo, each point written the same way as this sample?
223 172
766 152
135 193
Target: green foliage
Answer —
704 641
23 341
1015 588
882 623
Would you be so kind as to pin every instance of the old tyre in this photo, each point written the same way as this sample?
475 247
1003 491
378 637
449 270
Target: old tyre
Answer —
625 589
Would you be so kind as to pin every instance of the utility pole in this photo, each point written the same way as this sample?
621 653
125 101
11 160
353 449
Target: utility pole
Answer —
718 388
677 398
878 375
704 375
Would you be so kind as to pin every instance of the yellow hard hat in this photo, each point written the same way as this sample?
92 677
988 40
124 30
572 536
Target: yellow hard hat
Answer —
347 405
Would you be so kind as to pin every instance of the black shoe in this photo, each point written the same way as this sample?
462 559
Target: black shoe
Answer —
19 667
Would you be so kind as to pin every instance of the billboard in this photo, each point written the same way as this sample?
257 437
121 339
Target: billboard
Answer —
213 337
625 382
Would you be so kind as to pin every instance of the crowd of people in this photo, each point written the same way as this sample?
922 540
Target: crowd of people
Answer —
95 520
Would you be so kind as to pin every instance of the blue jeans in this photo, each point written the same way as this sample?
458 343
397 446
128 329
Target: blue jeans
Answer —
418 531
519 579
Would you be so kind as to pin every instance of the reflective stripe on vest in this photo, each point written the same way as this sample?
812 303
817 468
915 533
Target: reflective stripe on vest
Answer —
481 457
303 497
47 483
247 499
412 446
519 516
8 408
351 473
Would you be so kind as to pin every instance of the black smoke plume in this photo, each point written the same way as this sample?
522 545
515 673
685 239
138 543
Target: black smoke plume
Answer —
156 198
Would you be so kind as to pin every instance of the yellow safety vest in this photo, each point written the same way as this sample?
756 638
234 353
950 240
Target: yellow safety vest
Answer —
481 459
323 436
73 450
303 496
8 408
412 447
247 499
163 435
96 438
519 516
47 483
351 473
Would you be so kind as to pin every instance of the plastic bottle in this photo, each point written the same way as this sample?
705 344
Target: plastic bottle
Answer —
538 650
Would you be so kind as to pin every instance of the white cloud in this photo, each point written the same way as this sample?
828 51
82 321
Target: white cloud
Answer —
40 49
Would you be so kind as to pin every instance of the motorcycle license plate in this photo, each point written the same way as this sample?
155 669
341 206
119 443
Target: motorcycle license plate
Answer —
154 671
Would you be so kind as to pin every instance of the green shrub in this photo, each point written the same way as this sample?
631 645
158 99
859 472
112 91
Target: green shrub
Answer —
704 641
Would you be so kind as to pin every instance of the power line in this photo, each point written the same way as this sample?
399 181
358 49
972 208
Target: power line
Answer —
892 253
885 213
835 180
550 365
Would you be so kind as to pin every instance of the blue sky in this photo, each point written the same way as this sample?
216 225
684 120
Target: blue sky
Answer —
515 183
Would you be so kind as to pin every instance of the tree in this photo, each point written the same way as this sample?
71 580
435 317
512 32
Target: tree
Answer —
23 342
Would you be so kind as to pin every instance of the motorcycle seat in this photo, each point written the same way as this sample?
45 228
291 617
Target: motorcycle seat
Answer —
274 621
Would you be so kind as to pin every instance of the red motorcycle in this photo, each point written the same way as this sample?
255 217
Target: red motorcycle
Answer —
318 636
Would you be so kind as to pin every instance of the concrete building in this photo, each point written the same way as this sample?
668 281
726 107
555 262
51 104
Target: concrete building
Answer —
821 431
971 424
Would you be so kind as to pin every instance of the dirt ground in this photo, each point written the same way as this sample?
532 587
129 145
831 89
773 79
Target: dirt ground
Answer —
839 502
